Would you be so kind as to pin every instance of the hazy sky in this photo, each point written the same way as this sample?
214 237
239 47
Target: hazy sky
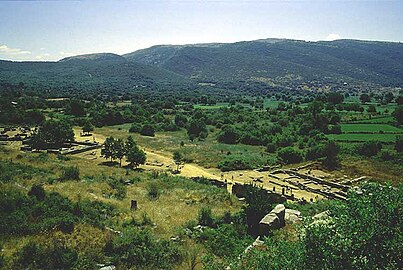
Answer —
50 30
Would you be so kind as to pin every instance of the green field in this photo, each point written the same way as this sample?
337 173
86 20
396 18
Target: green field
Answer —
388 119
363 137
209 107
269 103
376 128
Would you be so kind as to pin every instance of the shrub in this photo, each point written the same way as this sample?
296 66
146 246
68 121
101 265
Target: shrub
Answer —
136 248
70 173
399 144
34 256
38 192
147 130
135 128
206 217
374 213
226 241
119 187
369 149
289 155
153 191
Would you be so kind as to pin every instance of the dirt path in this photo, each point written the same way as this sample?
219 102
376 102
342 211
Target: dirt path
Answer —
163 161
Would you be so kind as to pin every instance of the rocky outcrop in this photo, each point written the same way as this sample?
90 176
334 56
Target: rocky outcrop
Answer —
292 216
279 210
278 218
273 220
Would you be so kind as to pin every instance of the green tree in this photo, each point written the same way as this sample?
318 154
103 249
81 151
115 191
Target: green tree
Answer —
108 150
197 129
398 115
180 120
178 159
53 134
119 150
76 107
147 130
365 98
290 155
330 152
228 135
88 127
399 144
135 156
335 98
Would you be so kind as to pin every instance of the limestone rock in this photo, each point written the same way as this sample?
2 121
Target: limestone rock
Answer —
292 216
279 210
269 223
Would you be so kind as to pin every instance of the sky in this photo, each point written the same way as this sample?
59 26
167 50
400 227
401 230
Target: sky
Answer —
51 30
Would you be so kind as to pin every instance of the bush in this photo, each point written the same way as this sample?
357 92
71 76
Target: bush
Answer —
243 162
38 192
70 173
34 256
147 130
119 187
135 128
369 149
290 155
153 191
226 241
136 248
374 213
399 144
206 217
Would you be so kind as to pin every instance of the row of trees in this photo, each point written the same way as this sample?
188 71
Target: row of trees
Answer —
118 149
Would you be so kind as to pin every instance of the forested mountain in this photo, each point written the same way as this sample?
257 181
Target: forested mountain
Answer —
375 62
88 73
250 67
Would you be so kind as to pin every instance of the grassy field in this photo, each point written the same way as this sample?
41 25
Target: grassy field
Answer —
269 103
388 138
377 120
209 107
376 128
207 153
179 200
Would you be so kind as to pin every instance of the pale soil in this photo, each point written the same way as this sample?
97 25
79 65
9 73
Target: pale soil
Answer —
160 160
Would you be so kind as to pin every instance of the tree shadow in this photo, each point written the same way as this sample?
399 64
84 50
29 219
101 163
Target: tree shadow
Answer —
109 163
128 167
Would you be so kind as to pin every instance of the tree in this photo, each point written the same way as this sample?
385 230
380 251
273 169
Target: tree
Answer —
76 107
88 127
53 134
108 151
147 130
197 129
389 97
178 159
180 120
135 156
290 155
369 149
398 115
335 98
399 144
119 150
330 152
399 100
365 98
38 192
371 109
228 135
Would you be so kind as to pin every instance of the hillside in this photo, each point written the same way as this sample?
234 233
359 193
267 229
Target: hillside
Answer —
88 73
375 62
